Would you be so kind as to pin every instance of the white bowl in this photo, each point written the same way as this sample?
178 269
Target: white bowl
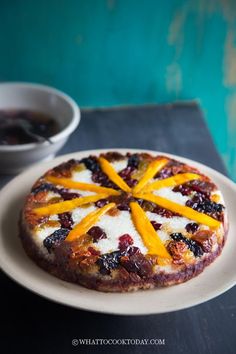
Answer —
14 158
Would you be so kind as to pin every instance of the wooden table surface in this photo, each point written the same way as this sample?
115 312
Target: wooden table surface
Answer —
31 324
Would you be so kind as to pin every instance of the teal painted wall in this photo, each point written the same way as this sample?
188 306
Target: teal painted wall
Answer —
106 53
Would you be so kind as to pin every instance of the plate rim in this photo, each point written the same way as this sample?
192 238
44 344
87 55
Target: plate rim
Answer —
212 294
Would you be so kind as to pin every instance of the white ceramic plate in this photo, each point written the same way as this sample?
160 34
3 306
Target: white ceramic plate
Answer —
216 279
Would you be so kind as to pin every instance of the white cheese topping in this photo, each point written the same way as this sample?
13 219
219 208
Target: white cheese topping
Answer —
119 165
79 213
173 196
174 224
82 176
116 226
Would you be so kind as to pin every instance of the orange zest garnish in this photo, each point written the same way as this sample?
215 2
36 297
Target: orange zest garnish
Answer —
149 236
151 171
180 209
63 207
86 223
113 175
171 181
66 182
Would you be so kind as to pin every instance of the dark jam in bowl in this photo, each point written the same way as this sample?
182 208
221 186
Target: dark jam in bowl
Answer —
26 126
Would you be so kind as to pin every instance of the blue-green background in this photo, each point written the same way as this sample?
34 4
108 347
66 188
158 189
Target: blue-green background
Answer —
124 52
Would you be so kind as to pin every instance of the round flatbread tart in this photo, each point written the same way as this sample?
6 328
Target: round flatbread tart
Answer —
123 222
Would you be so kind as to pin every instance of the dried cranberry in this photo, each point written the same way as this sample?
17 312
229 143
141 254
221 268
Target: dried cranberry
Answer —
183 189
66 220
156 225
103 180
192 245
172 168
192 227
126 172
97 233
131 182
55 239
66 195
109 261
133 161
125 241
200 186
101 203
99 177
164 212
91 163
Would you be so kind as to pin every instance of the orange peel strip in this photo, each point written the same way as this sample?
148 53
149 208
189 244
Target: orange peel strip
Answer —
68 183
150 172
180 209
113 175
171 181
87 222
63 207
149 236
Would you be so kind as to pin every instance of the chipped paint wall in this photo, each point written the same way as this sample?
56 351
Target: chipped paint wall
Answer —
115 52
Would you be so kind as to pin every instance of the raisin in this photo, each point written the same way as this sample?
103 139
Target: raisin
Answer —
123 206
66 195
91 163
55 239
44 187
192 227
192 245
101 203
176 250
122 201
132 250
146 205
138 264
109 261
125 174
133 161
205 239
204 205
97 233
103 180
131 182
164 212
66 220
